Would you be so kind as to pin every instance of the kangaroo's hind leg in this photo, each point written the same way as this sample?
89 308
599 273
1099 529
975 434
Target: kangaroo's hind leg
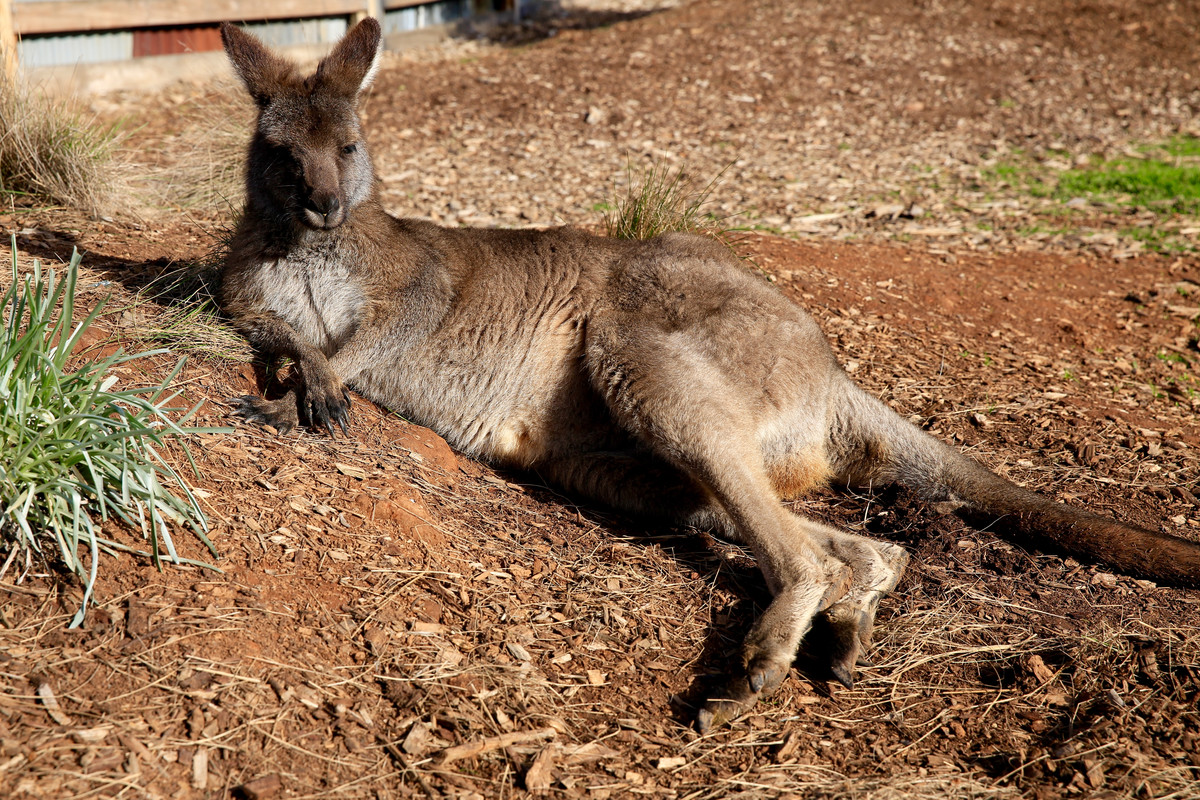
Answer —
642 484
668 395
802 452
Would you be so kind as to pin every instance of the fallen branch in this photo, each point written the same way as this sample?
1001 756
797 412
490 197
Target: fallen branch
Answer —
470 749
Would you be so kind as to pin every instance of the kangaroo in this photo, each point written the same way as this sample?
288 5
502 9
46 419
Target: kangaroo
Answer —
658 377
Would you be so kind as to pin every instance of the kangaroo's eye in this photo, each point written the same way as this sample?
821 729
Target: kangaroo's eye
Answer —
348 149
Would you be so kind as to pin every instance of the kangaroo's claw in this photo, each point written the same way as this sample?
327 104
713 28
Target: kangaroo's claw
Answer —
329 406
320 414
766 676
279 414
849 636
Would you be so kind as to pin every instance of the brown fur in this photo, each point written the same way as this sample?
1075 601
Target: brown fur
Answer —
658 376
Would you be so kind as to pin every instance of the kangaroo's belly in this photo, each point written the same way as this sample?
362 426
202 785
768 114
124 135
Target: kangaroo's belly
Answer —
510 391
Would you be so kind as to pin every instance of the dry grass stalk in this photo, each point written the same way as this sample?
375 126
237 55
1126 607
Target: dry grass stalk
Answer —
478 748
50 153
201 169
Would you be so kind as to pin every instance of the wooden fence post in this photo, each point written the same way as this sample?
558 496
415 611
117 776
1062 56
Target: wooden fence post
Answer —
373 8
8 41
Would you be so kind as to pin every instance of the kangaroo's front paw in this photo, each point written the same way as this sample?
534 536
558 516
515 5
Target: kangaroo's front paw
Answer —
328 402
280 414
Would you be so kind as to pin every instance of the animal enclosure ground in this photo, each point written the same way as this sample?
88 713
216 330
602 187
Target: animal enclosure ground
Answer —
393 620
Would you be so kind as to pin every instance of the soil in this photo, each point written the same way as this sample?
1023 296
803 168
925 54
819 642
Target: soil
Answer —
390 619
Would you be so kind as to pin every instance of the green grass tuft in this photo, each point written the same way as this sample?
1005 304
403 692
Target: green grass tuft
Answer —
661 201
75 451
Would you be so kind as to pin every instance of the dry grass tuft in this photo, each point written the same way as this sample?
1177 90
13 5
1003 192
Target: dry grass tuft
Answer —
202 167
50 153
182 309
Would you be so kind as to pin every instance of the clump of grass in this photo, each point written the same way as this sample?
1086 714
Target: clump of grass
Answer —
660 200
203 168
195 327
191 321
74 450
1168 184
185 311
49 153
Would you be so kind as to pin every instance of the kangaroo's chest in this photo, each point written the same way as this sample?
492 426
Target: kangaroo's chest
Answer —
317 294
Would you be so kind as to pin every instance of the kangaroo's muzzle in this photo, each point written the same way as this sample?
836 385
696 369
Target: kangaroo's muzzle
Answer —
324 210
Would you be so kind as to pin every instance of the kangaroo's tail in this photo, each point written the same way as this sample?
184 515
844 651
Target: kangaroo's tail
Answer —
871 443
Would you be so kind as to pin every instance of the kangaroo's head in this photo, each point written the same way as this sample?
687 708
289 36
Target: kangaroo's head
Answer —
308 162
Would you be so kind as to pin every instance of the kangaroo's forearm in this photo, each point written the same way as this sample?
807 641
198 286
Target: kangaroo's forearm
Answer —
271 335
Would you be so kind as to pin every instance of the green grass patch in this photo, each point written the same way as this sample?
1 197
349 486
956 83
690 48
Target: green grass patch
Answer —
1176 147
1170 183
76 451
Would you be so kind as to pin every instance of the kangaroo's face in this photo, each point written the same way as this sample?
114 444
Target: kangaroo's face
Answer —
308 160
310 153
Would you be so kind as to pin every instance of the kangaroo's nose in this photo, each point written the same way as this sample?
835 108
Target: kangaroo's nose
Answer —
324 209
326 204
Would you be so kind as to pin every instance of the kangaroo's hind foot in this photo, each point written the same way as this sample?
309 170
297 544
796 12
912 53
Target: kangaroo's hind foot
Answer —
769 650
668 394
842 635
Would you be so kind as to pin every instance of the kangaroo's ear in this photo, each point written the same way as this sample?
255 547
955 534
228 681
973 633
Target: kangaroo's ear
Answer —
351 66
263 72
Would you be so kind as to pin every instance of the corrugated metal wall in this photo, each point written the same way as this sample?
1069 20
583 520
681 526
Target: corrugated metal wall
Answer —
91 48
417 17
87 48
300 31
170 41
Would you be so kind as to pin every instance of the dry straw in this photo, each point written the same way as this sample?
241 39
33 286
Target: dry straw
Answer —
50 153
